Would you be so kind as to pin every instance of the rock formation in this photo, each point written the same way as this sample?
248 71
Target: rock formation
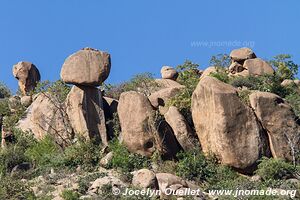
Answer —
225 126
168 72
278 118
87 69
245 63
28 76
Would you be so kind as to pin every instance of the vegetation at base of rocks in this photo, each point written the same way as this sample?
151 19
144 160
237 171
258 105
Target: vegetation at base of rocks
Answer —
70 195
244 96
15 189
220 74
143 83
275 169
124 160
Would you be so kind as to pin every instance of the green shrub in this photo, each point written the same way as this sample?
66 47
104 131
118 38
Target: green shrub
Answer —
124 160
4 91
83 153
274 169
15 189
45 153
69 195
285 68
244 96
221 74
14 153
195 166
294 100
220 60
4 108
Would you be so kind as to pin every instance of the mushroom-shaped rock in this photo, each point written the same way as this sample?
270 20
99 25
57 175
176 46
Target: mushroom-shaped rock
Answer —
225 126
139 133
242 54
89 67
28 76
168 72
282 125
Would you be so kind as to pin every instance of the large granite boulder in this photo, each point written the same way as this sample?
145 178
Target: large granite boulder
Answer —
168 72
282 125
242 54
225 126
88 67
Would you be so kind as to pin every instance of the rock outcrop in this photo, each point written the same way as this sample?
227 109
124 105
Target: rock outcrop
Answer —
245 63
84 107
282 125
89 67
28 76
144 178
225 126
139 133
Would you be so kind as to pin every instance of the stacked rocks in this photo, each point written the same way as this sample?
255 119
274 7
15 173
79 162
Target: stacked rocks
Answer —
86 69
245 63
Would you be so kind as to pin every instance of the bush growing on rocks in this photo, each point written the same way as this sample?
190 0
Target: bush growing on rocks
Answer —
4 91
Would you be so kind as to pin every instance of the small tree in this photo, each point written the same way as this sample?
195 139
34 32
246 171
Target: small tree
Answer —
284 66
220 60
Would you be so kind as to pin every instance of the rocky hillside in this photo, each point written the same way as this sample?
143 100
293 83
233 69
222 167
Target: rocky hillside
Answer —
233 126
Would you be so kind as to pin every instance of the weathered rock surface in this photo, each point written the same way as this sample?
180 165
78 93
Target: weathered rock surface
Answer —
28 76
85 110
258 66
278 118
290 82
167 83
208 71
182 131
88 67
236 68
168 72
45 116
242 54
225 126
144 178
26 100
137 120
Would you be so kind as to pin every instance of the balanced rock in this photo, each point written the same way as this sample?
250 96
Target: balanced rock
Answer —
89 67
242 54
281 123
28 76
168 72
225 126
182 130
85 110
139 133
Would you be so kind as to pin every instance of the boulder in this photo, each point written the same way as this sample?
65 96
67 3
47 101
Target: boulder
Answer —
290 82
106 159
89 67
28 76
182 131
257 66
161 97
208 71
225 126
85 110
168 72
46 116
281 123
144 178
14 103
26 100
242 54
139 132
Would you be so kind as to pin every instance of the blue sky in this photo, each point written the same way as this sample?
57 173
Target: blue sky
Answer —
142 36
